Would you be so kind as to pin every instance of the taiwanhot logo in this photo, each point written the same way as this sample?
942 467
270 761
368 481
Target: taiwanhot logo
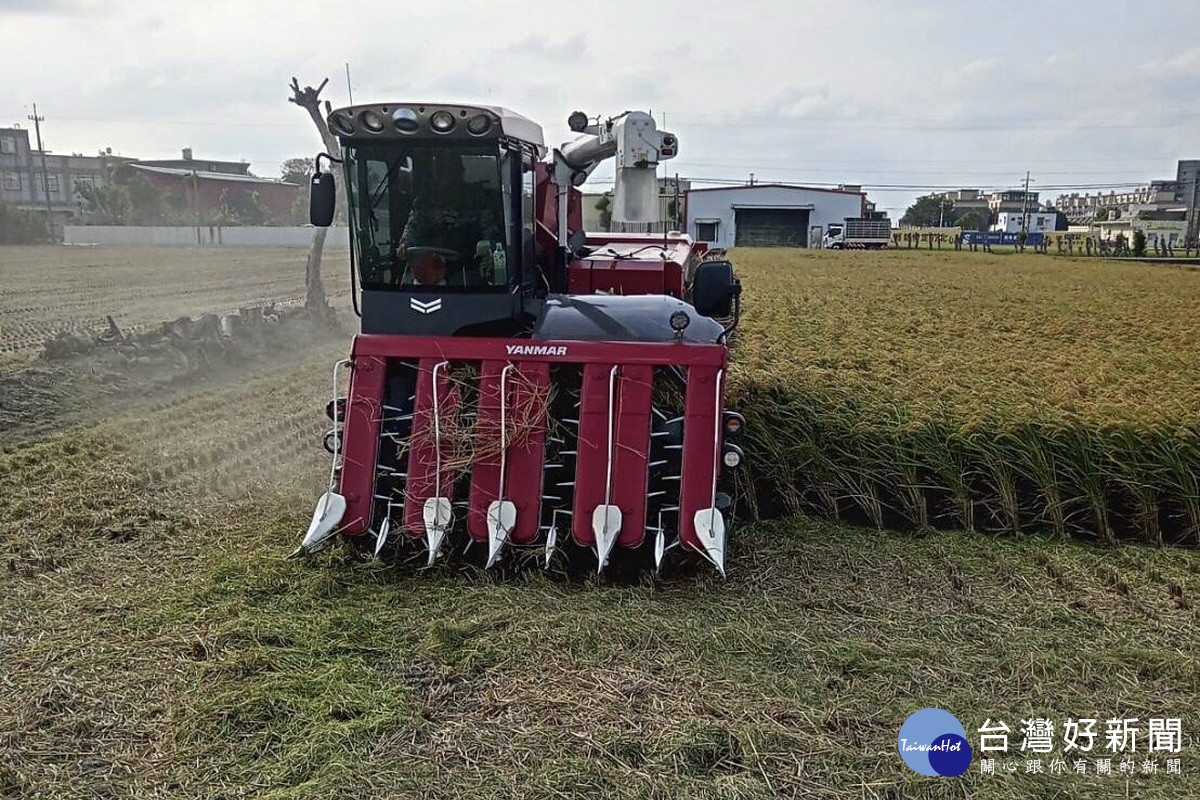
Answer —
934 742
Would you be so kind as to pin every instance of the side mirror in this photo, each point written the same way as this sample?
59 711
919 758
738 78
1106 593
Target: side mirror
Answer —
713 288
322 195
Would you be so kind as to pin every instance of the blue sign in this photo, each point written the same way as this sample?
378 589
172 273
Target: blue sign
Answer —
1032 238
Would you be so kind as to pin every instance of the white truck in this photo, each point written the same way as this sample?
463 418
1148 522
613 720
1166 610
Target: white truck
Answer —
858 233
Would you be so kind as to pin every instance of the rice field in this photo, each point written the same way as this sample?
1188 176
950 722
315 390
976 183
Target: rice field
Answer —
968 390
158 644
155 643
45 291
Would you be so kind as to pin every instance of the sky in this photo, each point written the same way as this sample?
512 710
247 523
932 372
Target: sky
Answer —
900 96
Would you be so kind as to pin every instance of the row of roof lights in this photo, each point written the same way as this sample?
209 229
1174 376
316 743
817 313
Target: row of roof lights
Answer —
406 120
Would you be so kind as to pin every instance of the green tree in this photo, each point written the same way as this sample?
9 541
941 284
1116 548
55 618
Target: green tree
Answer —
105 205
250 209
297 170
298 213
1101 215
18 226
149 202
241 208
971 221
1139 243
929 212
129 198
604 206
673 207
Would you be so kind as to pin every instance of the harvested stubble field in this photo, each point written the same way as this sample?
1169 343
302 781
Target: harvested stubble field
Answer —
968 390
45 291
154 643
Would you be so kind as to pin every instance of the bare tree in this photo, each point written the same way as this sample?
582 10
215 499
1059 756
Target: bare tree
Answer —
309 99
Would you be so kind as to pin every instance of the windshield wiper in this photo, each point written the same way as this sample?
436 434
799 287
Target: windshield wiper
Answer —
385 183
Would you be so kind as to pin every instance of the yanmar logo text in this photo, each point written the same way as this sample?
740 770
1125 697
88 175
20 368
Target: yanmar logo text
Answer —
535 350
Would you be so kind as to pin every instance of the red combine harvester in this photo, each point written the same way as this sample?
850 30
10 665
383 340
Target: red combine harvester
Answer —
543 392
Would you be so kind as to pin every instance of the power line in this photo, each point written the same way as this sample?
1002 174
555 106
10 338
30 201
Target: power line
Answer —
825 123
962 175
898 186
1000 126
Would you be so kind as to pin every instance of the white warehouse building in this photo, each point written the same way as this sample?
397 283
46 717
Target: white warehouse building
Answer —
768 215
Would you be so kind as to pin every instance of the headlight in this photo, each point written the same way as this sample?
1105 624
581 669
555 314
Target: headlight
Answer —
732 457
372 121
405 120
734 422
578 121
442 121
679 321
479 124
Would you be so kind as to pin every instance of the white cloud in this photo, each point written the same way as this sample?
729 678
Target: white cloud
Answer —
878 91
1183 63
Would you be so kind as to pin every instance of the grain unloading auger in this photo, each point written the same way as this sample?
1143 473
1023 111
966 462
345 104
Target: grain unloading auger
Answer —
518 383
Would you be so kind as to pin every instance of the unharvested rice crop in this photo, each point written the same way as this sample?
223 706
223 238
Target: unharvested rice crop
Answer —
1001 392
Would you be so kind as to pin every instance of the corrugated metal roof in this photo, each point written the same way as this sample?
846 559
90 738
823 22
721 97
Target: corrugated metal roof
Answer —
203 175
744 187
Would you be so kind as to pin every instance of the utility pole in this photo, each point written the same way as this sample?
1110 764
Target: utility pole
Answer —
1193 230
942 212
1025 212
37 127
678 217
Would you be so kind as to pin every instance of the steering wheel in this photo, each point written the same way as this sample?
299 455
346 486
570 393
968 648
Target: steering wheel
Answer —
446 252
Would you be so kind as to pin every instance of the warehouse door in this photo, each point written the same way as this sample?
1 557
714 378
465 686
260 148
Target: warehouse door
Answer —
771 227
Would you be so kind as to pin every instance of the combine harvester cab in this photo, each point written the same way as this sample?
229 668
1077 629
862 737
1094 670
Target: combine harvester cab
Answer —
521 388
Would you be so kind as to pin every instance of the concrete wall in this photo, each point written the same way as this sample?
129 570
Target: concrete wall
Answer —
718 204
202 236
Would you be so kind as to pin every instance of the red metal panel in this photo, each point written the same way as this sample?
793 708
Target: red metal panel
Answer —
673 279
524 457
485 469
360 440
540 350
591 460
528 398
701 445
616 276
631 455
423 481
579 279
